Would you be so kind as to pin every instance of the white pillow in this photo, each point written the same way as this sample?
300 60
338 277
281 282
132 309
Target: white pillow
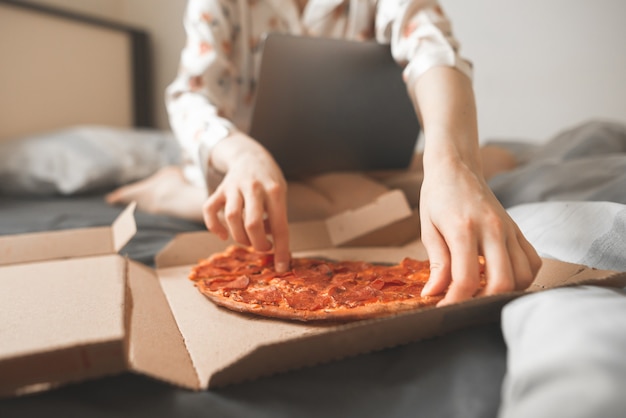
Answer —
83 159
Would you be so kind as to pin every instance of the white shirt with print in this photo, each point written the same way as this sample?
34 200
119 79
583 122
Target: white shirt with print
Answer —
214 90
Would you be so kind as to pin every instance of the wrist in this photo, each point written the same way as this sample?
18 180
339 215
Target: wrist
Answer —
236 149
451 151
448 116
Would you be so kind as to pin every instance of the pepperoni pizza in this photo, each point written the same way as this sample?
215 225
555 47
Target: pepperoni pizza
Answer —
244 280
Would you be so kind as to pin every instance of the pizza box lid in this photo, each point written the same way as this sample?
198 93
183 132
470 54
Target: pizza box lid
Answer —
93 312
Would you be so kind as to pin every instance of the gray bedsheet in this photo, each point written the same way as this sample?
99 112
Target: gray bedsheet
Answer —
456 375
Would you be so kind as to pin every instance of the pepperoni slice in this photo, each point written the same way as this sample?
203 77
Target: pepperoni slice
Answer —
378 284
355 296
208 271
306 300
240 282
414 265
366 293
268 296
342 279
368 275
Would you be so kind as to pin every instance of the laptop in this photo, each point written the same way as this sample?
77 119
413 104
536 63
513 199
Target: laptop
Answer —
327 105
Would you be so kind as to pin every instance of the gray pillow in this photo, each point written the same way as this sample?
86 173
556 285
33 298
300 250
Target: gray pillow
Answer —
83 159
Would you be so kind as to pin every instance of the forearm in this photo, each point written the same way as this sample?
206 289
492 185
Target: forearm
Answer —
447 111
235 148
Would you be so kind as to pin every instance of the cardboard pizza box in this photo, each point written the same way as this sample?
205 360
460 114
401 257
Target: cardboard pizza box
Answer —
66 302
227 347
63 300
71 318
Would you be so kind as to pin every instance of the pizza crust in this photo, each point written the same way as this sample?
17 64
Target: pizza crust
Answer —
374 310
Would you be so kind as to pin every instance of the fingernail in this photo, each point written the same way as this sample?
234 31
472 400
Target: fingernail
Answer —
426 289
282 267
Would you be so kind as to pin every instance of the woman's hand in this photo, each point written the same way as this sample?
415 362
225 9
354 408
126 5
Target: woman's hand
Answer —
462 219
252 196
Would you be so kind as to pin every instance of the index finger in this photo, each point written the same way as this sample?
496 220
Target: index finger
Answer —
277 214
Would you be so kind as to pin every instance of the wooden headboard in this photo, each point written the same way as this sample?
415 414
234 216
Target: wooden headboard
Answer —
60 69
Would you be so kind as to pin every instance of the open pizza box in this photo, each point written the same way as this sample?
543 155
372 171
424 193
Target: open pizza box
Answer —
72 308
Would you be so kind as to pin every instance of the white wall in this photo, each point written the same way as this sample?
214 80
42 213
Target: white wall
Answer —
543 65
540 65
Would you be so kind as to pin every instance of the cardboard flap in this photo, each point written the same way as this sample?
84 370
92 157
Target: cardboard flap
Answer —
556 273
415 250
357 338
309 234
61 321
188 248
155 345
54 245
396 234
216 337
351 224
348 226
124 227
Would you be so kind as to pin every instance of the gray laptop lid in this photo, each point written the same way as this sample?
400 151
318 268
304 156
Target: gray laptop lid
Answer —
332 105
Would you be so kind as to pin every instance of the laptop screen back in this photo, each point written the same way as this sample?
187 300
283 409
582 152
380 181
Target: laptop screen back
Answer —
332 105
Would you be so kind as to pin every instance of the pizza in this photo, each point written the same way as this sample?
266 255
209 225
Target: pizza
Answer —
244 280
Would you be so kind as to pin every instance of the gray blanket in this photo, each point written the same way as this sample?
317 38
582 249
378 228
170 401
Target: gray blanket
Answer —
566 346
583 163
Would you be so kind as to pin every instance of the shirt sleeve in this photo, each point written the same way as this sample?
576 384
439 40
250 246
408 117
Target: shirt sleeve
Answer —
200 99
420 35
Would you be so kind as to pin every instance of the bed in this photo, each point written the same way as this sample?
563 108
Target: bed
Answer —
576 218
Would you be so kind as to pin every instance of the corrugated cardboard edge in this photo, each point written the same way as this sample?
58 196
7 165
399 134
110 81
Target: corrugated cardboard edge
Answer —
155 345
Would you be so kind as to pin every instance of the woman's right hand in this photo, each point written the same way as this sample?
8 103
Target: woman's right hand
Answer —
252 196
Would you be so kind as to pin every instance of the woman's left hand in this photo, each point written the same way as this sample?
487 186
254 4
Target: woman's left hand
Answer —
462 219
